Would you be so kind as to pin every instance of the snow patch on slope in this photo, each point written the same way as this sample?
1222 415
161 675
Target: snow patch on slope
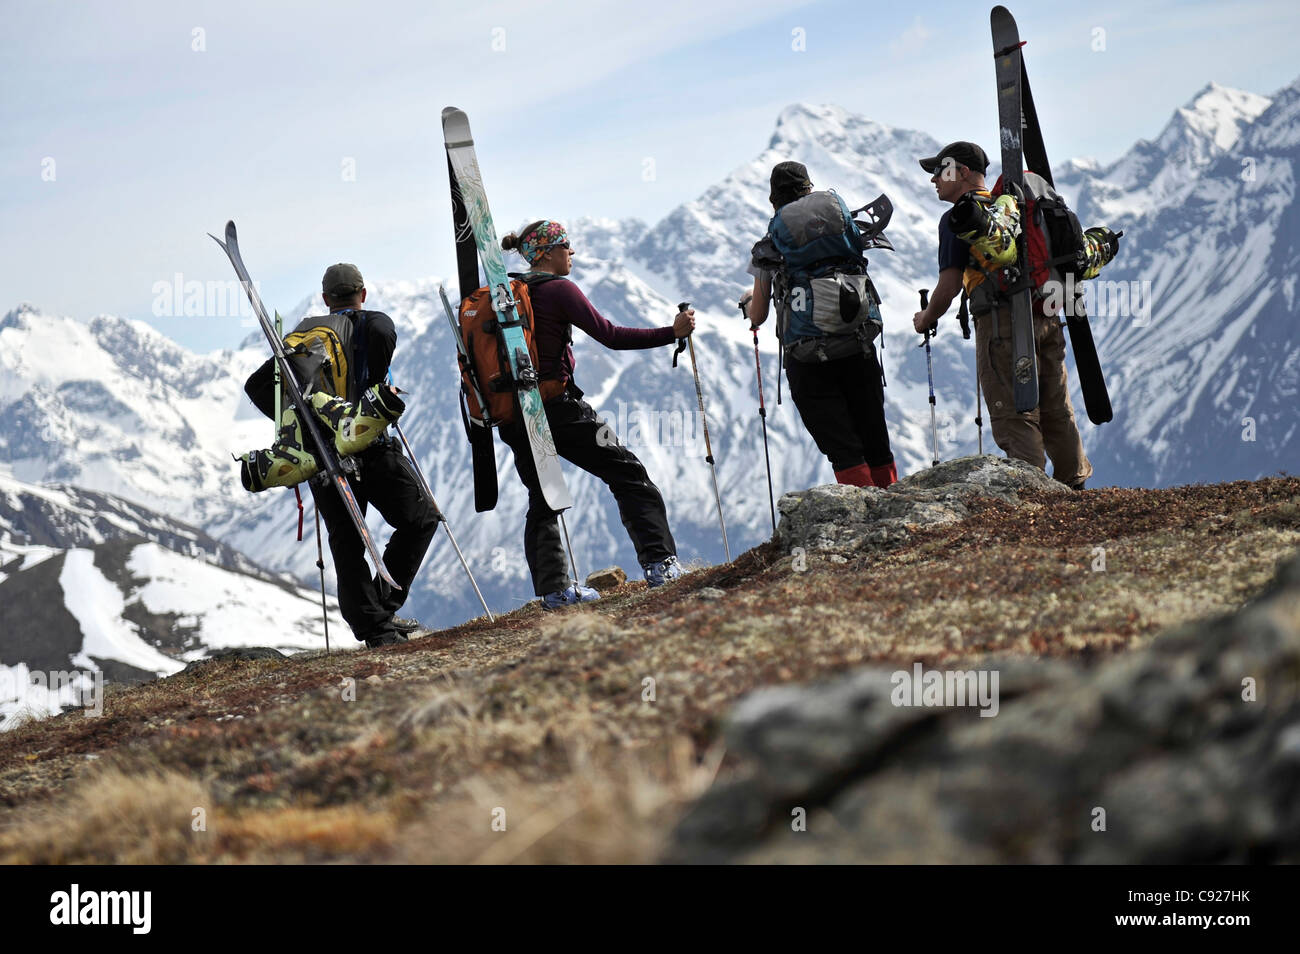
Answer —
98 606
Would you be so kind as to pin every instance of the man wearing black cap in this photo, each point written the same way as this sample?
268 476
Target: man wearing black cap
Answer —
1050 429
386 479
835 378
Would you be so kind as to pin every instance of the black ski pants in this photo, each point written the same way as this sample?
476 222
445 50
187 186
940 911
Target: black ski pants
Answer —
585 440
842 403
388 481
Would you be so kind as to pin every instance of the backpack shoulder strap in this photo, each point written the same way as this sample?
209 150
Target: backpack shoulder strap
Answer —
532 279
360 352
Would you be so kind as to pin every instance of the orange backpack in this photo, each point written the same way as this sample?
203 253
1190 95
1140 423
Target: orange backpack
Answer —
488 369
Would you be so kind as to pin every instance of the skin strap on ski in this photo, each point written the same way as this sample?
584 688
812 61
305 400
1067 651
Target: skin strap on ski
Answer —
306 414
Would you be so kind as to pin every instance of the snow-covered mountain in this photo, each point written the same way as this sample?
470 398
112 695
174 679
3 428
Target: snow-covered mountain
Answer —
90 583
1210 220
1205 370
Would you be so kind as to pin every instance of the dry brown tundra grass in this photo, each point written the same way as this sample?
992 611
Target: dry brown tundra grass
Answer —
544 722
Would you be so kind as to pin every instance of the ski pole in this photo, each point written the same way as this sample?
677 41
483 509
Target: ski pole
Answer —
320 565
963 318
929 370
438 514
279 332
762 415
687 342
460 348
569 546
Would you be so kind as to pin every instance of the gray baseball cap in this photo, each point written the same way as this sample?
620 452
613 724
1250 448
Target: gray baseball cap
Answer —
342 279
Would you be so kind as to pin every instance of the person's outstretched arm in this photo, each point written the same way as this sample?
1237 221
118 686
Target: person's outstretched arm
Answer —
582 314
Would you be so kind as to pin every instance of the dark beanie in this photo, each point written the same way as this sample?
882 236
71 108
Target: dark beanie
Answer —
789 182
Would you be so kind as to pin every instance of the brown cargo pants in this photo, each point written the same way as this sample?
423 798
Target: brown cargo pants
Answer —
1050 429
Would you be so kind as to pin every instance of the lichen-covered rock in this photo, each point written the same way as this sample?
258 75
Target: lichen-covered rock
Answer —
1187 751
839 519
243 653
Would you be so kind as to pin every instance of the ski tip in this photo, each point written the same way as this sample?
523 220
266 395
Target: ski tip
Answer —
455 125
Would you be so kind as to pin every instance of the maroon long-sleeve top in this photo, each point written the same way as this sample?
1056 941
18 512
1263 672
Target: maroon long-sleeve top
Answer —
559 304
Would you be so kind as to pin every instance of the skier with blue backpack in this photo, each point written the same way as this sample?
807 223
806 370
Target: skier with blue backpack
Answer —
810 264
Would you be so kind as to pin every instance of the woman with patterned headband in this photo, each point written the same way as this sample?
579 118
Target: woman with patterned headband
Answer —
580 437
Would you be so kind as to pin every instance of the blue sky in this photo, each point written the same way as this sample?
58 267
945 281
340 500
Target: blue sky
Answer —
154 143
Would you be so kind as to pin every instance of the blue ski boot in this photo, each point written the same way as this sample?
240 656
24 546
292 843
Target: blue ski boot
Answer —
665 571
569 597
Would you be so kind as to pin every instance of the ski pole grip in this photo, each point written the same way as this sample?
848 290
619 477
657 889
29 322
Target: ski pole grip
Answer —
681 342
925 303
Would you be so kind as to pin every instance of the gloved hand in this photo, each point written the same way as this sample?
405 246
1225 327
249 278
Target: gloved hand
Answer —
1106 237
1100 245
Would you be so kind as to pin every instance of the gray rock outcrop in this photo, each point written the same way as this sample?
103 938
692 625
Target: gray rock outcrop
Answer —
839 519
1187 751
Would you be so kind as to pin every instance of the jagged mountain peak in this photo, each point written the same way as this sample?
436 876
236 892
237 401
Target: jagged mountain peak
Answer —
1276 127
801 122
1161 171
1218 114
809 132
18 317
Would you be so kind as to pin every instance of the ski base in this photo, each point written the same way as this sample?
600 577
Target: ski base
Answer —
1096 399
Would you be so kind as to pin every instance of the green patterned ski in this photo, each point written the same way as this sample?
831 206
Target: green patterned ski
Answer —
468 195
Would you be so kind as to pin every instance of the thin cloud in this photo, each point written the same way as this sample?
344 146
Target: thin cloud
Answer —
911 41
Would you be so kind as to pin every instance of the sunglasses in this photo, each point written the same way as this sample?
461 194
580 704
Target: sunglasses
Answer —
563 245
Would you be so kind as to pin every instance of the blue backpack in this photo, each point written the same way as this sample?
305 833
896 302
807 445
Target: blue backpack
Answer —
822 289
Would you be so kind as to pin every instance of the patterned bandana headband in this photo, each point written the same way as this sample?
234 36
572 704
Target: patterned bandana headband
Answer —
536 242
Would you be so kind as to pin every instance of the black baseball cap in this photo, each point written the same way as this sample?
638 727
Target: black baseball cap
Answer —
967 154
